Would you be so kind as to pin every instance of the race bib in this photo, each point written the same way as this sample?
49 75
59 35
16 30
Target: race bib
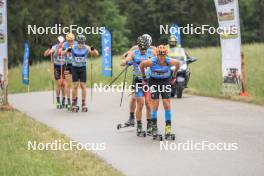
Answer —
80 59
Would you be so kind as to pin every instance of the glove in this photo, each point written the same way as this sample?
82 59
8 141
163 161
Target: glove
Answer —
69 49
92 48
173 80
50 45
129 63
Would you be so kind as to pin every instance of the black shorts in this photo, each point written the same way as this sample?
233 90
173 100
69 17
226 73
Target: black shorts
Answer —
160 87
57 72
79 74
68 69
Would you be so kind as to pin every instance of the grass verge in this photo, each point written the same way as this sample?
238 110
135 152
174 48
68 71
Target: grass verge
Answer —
16 129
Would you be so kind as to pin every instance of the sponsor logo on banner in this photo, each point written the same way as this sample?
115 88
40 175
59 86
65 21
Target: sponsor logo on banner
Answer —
228 19
1 17
3 34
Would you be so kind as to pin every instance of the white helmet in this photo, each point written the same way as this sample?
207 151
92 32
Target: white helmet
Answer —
148 38
61 39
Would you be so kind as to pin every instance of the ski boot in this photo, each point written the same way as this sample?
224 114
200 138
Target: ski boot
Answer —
155 134
84 108
140 132
58 105
129 123
168 134
149 128
63 105
75 107
68 106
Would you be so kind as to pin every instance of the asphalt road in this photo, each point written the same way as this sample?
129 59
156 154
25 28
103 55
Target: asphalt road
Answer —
196 120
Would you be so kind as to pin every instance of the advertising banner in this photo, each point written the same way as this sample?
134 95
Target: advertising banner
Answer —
3 34
228 19
25 66
107 54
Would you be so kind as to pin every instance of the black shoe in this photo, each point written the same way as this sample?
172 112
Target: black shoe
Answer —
130 122
149 128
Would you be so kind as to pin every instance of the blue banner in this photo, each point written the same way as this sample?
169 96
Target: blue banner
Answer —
176 33
25 66
107 53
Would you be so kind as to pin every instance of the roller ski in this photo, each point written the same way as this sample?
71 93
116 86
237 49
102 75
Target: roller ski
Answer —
75 107
140 132
168 134
155 134
84 108
69 107
58 105
149 128
129 123
63 105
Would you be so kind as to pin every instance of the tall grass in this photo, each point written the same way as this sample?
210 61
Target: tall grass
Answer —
206 78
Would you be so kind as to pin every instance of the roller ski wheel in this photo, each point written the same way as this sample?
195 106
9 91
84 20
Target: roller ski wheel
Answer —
140 132
119 126
84 109
75 109
157 137
170 136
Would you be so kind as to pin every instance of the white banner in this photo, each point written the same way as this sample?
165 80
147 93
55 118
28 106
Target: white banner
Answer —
228 19
3 34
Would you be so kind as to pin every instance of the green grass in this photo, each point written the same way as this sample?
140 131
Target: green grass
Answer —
16 129
206 76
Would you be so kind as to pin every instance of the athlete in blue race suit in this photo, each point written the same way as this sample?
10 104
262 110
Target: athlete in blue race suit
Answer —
68 65
58 61
134 58
159 82
79 53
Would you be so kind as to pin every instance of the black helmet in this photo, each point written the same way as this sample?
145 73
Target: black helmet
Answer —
81 38
143 42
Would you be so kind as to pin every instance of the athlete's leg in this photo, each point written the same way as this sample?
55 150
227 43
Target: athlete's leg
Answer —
83 87
132 106
140 103
148 105
83 79
58 88
75 90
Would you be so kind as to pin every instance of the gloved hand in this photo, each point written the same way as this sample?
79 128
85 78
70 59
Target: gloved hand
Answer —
69 49
129 63
50 45
92 48
173 80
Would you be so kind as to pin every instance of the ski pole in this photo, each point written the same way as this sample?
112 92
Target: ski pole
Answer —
52 76
91 79
118 75
123 88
